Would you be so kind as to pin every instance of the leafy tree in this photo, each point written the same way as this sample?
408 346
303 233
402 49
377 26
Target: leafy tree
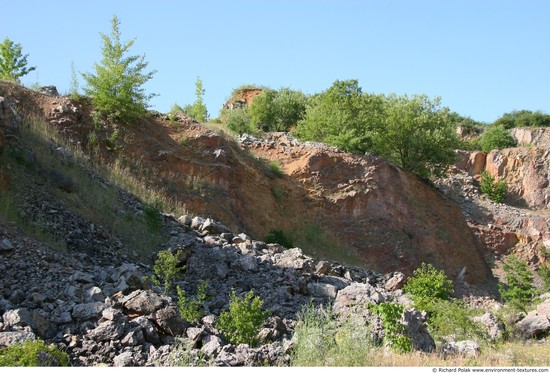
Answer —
394 331
523 118
342 116
13 64
238 120
199 109
192 309
496 137
277 110
242 322
116 88
519 289
417 134
428 284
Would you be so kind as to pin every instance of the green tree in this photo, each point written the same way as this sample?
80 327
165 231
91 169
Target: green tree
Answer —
13 64
428 284
342 116
496 137
523 118
417 134
519 289
116 88
277 110
200 112
244 319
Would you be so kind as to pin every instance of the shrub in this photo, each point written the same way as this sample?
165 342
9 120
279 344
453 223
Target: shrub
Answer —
394 331
13 64
238 121
166 269
544 274
277 110
275 167
33 354
278 236
321 340
428 284
244 319
519 289
451 319
496 137
495 190
116 88
192 309
153 218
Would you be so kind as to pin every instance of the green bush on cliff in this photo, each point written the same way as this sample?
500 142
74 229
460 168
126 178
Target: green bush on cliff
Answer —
495 190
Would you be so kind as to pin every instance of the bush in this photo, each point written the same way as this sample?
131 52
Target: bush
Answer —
519 289
244 319
192 309
451 319
166 269
496 137
278 236
495 190
428 284
275 167
320 340
33 354
116 88
238 121
277 110
394 331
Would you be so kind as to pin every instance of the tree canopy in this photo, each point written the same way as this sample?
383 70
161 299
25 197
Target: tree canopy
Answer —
13 64
116 87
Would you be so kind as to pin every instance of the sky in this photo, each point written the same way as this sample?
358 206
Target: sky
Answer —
484 58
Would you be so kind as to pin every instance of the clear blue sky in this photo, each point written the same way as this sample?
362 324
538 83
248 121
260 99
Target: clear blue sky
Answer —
483 57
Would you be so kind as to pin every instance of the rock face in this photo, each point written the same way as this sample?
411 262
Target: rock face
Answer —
526 172
539 137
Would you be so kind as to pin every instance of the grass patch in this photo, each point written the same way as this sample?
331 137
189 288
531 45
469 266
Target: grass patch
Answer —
275 168
315 242
95 198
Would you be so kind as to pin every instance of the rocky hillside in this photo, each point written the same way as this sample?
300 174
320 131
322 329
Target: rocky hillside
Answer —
359 209
75 246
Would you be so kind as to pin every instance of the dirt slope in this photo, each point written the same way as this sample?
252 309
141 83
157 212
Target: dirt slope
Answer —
333 204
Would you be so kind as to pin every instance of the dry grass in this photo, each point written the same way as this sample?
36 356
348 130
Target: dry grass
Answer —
530 353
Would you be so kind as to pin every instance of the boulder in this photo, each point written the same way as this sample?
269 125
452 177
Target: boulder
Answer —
395 282
169 321
417 332
494 328
88 311
355 296
462 348
10 338
142 302
125 359
533 326
18 317
211 345
321 290
107 331
5 246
